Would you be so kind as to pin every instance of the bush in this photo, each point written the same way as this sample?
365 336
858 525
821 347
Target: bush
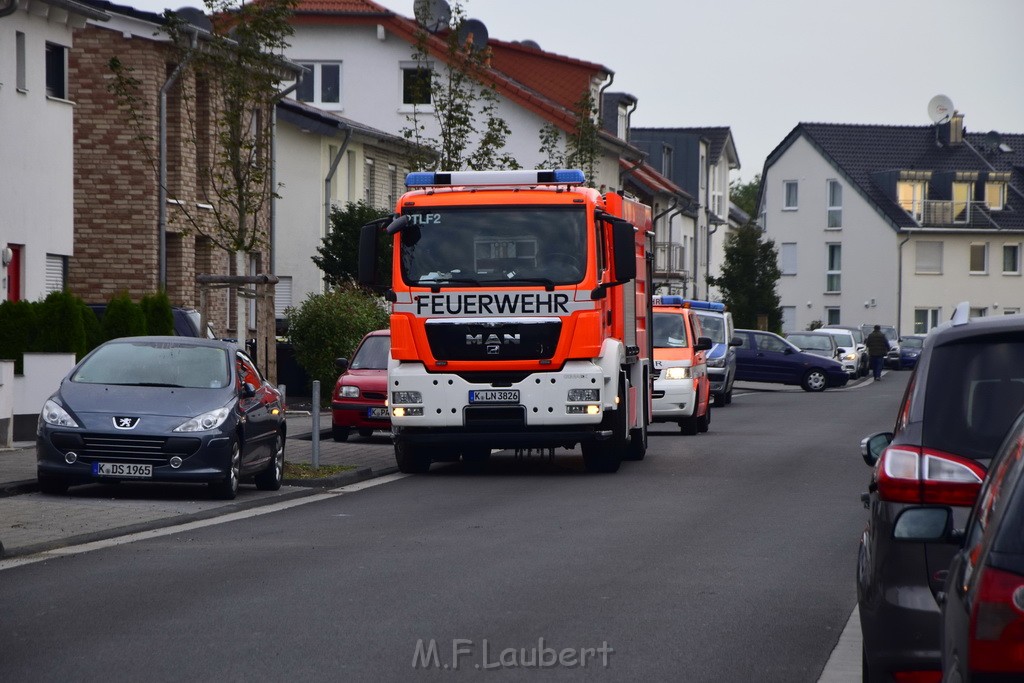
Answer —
329 326
123 318
60 326
92 327
157 310
17 331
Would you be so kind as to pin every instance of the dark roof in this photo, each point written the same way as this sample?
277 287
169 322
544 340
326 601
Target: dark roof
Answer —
865 153
717 136
322 122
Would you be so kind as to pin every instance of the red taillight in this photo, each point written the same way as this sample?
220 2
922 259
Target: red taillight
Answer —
997 623
917 676
913 475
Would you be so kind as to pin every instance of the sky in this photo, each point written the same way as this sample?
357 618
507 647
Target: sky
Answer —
761 67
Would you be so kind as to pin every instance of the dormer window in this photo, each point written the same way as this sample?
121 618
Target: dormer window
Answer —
995 190
911 195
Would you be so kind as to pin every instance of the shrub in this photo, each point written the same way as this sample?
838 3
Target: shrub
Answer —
157 310
17 331
92 327
328 326
59 324
123 318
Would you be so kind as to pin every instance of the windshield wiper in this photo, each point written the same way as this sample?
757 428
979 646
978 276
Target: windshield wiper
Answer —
435 284
549 285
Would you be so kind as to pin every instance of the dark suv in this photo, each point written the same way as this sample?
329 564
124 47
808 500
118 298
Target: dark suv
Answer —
965 391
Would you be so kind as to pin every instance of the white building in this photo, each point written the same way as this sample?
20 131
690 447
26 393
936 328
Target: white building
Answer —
895 224
36 144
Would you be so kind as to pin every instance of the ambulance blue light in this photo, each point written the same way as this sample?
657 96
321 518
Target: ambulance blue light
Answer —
676 300
668 300
562 176
706 305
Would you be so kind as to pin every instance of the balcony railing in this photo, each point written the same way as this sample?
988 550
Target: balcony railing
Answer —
948 213
669 259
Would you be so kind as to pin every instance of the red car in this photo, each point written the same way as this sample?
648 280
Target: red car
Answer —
359 399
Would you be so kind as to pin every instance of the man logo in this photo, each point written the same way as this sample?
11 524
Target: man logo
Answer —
126 422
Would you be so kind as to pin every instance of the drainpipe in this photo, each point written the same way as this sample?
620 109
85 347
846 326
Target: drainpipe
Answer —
10 8
600 93
272 228
162 181
899 288
330 177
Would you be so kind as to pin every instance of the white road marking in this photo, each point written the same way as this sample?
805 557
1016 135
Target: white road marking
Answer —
199 524
843 665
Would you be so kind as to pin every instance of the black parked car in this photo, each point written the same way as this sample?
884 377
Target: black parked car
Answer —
963 396
983 614
168 409
767 357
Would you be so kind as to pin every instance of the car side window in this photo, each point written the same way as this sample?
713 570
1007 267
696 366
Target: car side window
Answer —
247 372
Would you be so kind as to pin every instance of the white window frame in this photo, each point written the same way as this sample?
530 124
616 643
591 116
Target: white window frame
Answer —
832 315
56 273
833 275
56 51
369 182
786 184
316 73
1016 258
918 269
834 217
408 107
926 318
983 246
997 188
788 258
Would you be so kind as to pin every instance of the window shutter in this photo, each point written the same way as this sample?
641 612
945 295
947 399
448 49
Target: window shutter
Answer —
56 268
282 296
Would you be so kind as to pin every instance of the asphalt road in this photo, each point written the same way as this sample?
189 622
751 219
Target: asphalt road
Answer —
727 556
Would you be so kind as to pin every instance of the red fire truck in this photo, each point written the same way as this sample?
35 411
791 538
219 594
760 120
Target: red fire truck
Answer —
520 317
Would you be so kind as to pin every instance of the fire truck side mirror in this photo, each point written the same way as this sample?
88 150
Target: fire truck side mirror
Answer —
368 254
624 250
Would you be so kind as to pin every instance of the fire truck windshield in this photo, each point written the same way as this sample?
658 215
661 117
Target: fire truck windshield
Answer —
488 246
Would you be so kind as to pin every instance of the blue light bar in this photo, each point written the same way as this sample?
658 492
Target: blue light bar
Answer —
676 300
562 176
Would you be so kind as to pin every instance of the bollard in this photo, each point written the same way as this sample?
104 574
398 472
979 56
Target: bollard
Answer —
316 424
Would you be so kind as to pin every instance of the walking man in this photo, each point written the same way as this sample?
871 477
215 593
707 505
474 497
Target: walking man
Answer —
878 346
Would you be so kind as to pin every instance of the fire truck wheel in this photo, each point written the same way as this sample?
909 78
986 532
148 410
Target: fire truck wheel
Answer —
601 457
638 437
411 459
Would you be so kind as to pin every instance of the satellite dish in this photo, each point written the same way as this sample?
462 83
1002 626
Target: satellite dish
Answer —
940 108
993 138
475 31
196 17
530 43
432 15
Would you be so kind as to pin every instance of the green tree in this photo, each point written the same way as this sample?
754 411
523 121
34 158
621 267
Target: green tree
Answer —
18 327
463 104
157 310
123 318
226 117
749 277
59 317
744 195
579 149
328 326
338 254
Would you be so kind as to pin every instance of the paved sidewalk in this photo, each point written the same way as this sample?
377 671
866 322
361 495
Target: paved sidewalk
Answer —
31 522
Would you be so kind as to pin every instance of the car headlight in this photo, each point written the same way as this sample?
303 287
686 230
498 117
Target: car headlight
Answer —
716 362
851 356
54 414
205 422
678 373
348 392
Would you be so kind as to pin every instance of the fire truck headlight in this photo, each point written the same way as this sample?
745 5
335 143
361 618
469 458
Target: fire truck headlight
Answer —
677 373
398 397
408 412
583 410
584 394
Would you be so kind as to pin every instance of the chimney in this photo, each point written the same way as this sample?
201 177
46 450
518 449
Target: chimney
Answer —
951 133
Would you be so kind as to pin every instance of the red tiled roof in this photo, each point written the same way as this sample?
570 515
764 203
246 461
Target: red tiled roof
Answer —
352 7
559 78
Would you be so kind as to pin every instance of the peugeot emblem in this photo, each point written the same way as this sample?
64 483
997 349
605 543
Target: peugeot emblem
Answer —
125 422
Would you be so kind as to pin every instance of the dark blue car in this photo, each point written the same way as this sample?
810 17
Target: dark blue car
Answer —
767 357
909 350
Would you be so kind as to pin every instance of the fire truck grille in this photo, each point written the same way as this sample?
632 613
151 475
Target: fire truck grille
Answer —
495 417
494 340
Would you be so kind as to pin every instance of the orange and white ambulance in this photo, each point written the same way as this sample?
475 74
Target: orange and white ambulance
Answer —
682 389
